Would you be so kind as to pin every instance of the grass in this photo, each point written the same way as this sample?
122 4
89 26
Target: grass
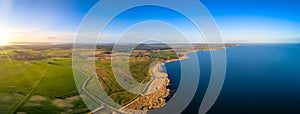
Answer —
165 54
34 86
19 85
48 106
15 84
8 101
123 97
58 81
57 86
139 69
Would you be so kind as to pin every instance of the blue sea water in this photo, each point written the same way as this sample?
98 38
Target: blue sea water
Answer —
260 79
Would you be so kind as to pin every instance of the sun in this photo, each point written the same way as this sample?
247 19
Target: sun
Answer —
4 38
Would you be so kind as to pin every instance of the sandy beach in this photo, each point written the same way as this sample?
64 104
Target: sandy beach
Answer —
180 58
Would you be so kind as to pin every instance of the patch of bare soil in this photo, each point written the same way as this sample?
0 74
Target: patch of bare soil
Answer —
37 98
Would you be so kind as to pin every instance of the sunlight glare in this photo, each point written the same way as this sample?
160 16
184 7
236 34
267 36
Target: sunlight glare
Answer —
4 38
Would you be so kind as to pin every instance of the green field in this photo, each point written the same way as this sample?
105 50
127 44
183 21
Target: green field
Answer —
16 84
56 92
167 55
38 86
39 79
139 70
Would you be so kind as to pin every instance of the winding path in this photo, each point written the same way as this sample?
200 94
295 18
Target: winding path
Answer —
94 97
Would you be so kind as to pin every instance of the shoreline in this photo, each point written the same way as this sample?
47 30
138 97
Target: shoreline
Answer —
184 57
155 94
144 102
180 58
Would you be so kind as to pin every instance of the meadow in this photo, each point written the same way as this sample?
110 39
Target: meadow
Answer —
36 81
39 79
139 69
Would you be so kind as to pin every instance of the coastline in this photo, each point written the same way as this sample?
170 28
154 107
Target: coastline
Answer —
155 94
180 58
186 57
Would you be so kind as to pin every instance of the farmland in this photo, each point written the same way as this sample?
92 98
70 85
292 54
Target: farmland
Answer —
39 79
139 69
36 80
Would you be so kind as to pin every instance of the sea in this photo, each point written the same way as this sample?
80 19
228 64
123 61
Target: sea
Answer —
260 79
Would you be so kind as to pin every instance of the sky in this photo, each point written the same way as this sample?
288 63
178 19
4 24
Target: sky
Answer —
239 21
